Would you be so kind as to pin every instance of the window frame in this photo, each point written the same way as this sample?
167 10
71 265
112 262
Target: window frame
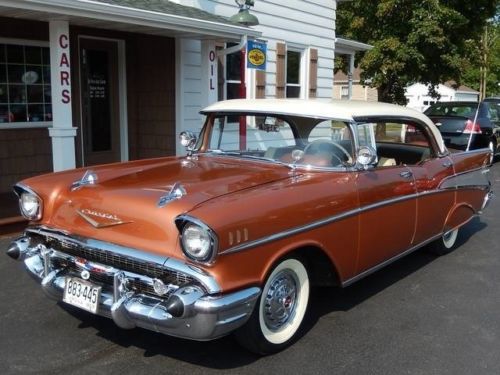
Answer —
27 124
302 71
224 62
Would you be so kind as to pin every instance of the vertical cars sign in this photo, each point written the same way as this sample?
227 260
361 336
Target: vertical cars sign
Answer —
62 131
256 55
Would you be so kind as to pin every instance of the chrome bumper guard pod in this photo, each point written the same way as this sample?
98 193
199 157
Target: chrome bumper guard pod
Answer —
192 306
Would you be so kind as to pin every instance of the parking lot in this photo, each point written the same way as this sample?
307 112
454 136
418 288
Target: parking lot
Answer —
421 315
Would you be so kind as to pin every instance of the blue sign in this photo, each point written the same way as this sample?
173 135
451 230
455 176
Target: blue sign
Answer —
256 55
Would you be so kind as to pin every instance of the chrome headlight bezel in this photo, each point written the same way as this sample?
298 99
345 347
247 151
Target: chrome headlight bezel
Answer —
186 222
24 192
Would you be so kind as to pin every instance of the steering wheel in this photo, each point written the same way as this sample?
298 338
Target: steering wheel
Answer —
315 148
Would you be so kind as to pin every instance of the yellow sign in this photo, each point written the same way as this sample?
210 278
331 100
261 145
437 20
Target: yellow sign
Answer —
256 57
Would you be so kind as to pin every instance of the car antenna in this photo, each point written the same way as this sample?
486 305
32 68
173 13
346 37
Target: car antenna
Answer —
474 122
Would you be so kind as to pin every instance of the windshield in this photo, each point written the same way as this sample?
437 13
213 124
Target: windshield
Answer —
299 140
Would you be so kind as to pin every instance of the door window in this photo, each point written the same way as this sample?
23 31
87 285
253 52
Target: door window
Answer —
396 143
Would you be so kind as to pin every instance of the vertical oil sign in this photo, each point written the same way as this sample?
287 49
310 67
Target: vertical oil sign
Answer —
256 55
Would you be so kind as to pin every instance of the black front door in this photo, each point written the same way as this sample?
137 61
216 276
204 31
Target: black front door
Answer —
99 98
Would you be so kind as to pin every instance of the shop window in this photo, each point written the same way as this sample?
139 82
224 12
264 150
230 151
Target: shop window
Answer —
293 74
25 93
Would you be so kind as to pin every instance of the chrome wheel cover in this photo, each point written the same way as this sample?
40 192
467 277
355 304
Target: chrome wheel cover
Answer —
280 300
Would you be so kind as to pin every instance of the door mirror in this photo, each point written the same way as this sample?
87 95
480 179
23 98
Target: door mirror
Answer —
367 156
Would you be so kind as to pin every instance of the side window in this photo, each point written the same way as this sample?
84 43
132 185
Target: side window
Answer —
494 112
397 143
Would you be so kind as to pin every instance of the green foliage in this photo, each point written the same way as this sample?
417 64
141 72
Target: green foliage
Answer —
414 41
490 50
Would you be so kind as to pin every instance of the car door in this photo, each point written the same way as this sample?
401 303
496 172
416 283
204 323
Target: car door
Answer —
387 217
433 204
387 197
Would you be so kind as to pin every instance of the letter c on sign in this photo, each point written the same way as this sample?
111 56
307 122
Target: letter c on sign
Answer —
63 41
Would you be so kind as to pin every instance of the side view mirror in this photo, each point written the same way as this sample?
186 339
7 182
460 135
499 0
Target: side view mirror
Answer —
367 156
188 140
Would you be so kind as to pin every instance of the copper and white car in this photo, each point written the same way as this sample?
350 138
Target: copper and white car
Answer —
274 197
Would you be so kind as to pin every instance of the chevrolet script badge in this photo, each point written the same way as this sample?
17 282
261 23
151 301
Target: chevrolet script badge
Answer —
100 219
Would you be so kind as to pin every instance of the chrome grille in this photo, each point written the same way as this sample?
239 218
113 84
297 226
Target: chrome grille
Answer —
107 258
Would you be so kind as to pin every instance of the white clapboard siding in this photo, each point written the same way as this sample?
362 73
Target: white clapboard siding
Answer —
301 24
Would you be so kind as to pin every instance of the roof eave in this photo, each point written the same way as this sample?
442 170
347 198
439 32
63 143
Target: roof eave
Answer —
115 13
354 45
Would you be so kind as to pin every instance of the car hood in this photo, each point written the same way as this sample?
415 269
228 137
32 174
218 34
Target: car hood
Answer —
123 207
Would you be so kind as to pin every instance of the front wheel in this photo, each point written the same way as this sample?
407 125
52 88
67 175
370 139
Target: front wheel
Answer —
280 310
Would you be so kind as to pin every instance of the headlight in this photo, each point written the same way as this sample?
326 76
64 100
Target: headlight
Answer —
198 242
31 206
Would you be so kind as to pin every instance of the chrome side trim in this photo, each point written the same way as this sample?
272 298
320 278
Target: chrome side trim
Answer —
331 219
389 261
477 178
170 263
328 220
475 151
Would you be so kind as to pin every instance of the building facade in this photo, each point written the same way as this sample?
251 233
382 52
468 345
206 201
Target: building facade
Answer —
419 98
91 82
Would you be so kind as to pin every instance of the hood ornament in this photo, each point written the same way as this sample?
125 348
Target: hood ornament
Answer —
176 192
100 219
89 178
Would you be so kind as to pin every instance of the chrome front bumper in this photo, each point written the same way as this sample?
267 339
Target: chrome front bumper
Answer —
189 312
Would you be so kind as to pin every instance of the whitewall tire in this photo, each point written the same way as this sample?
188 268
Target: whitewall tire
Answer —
445 244
280 310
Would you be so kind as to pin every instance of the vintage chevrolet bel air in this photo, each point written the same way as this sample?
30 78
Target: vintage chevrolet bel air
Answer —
272 198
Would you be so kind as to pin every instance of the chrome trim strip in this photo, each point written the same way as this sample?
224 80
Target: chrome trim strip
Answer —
331 219
475 151
170 263
388 261
316 224
475 178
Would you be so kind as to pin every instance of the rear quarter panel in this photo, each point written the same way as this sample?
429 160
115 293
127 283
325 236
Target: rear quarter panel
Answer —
471 183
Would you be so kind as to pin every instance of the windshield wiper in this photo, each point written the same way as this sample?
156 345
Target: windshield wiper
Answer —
235 153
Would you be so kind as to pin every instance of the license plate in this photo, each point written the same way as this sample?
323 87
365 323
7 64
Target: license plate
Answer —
82 294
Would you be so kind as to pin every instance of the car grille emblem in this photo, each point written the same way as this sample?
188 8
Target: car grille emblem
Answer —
85 275
100 219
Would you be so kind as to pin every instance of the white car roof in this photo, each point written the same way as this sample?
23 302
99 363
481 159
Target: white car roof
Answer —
341 110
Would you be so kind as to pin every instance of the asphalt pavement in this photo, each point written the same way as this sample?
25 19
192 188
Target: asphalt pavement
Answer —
421 315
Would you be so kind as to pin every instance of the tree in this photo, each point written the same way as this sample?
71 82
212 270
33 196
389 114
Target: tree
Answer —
413 41
483 70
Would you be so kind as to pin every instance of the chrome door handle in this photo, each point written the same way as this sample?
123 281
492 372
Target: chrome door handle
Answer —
406 174
447 164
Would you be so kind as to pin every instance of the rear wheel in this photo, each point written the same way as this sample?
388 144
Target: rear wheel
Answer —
445 244
493 147
280 310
